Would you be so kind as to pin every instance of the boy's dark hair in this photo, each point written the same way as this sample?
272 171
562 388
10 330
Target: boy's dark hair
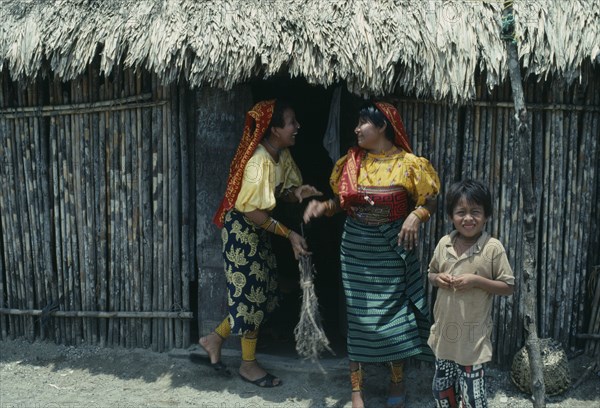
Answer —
370 113
475 192
277 120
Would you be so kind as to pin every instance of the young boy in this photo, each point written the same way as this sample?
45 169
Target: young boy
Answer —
468 267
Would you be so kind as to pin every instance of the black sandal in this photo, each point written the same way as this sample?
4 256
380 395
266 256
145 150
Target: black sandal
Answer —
219 367
264 382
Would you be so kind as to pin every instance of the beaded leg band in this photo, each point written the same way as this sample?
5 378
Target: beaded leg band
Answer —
249 341
356 378
224 329
397 371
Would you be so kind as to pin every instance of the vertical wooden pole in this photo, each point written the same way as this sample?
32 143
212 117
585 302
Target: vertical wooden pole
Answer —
166 253
134 203
186 242
529 209
7 224
42 143
176 186
124 265
4 255
137 205
156 217
32 276
146 214
111 152
103 215
56 210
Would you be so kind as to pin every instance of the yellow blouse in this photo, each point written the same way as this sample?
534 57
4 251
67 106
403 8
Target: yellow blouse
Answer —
264 179
415 174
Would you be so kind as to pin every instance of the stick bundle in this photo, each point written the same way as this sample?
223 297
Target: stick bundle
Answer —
310 336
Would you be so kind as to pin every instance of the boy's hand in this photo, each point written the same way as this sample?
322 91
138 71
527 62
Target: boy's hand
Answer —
443 280
463 282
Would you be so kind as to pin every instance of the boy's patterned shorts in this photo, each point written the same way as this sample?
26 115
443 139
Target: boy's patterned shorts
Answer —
455 385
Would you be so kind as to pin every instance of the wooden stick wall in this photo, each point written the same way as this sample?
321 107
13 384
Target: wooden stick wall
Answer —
477 142
92 215
97 204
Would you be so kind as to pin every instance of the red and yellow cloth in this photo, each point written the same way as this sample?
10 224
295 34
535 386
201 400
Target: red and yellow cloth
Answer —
255 127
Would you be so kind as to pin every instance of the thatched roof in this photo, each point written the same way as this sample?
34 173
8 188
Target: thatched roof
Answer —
433 48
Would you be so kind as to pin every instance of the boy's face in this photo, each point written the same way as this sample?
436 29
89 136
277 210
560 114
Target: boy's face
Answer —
468 218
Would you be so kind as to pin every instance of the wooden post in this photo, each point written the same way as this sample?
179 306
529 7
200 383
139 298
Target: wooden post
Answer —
523 166
175 328
186 241
146 191
103 216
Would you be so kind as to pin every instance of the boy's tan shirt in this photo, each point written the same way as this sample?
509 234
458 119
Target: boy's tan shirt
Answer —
463 322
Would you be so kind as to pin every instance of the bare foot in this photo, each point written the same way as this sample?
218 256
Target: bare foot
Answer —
397 395
252 371
357 399
212 344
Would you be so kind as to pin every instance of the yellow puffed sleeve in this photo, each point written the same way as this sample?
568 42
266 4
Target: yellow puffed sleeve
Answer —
262 176
423 180
291 173
258 186
336 173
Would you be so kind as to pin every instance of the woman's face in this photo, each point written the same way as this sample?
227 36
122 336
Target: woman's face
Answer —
369 136
286 135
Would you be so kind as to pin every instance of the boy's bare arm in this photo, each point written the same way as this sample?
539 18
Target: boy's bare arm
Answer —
463 282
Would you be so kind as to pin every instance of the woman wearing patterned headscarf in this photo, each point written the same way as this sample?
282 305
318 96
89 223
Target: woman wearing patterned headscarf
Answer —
387 192
262 171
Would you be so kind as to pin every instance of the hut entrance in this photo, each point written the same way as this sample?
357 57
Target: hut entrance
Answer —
219 119
312 106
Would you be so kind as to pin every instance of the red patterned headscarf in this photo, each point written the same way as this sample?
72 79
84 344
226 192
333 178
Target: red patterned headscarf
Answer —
392 115
255 127
348 184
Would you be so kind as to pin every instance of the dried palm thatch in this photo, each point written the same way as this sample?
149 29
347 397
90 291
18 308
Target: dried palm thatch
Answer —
310 336
431 48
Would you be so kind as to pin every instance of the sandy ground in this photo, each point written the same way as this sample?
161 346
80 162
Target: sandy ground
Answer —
44 375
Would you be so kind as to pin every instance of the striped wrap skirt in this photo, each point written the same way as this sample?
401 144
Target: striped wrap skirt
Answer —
386 305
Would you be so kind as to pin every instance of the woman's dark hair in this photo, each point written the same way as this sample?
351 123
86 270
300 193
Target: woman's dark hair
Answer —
475 192
370 113
277 120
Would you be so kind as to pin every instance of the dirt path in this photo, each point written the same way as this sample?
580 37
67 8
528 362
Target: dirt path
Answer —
44 375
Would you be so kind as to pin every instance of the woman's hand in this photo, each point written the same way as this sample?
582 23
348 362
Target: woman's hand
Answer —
314 209
305 191
299 245
410 232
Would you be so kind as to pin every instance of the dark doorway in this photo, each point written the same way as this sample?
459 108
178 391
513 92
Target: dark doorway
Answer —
312 106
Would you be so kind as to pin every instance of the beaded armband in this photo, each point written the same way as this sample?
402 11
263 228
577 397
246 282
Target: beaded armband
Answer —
422 214
330 208
278 228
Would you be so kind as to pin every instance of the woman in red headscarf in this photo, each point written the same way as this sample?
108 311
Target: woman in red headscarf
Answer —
262 172
387 193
